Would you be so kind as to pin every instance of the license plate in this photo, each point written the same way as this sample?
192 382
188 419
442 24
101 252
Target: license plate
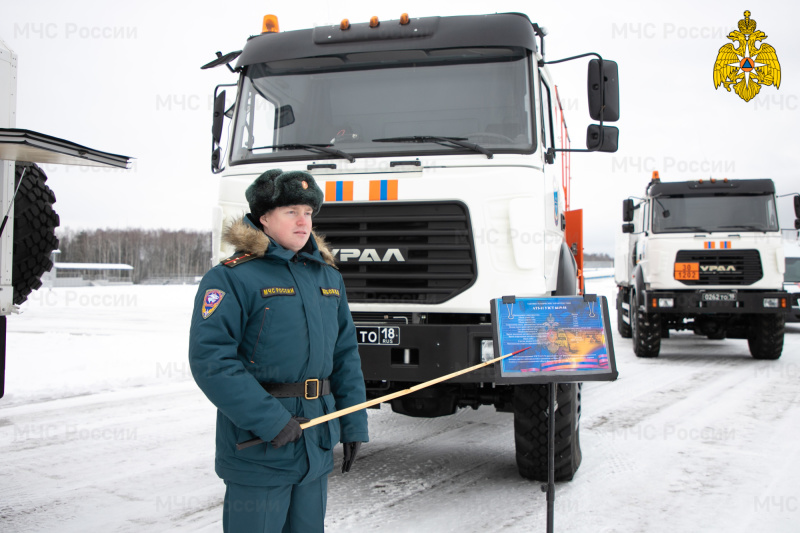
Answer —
378 335
719 297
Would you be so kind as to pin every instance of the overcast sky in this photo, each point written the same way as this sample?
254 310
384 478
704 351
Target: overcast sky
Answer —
125 78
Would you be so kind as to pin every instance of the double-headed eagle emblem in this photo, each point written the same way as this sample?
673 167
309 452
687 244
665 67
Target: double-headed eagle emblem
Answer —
747 67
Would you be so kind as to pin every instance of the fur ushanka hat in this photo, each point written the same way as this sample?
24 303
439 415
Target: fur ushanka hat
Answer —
276 188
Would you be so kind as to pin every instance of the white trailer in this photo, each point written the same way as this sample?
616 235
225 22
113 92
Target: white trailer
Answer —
27 230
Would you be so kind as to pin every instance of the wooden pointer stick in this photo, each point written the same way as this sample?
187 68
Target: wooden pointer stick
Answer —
376 401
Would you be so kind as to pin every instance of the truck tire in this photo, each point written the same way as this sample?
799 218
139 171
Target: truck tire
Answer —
531 403
34 230
623 327
765 336
645 330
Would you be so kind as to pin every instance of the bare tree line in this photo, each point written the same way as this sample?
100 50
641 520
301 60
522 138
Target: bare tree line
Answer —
602 256
152 253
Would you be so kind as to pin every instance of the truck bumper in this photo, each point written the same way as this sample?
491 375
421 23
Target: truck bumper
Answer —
428 351
712 301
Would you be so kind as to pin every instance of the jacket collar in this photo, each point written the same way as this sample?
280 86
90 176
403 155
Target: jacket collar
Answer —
245 235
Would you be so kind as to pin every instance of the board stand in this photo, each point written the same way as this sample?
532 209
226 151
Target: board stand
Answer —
550 487
549 325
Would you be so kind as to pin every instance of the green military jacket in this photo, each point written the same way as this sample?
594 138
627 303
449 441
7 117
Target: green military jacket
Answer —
273 316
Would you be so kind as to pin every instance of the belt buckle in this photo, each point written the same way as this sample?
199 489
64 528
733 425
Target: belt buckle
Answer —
316 389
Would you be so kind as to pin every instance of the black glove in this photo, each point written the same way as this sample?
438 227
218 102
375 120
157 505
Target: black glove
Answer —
350 451
290 433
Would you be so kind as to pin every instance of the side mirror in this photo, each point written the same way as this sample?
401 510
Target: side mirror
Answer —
627 228
217 122
602 139
797 224
797 205
627 210
603 91
219 116
216 131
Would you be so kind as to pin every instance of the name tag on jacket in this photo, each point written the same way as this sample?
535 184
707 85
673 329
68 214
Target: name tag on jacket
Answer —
278 291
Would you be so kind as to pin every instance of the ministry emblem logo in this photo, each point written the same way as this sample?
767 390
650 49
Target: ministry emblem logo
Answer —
747 67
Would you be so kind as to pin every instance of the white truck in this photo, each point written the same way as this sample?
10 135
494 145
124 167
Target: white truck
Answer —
705 256
27 230
434 140
791 278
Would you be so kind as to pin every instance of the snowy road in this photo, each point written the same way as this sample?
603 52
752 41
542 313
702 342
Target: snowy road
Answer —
102 429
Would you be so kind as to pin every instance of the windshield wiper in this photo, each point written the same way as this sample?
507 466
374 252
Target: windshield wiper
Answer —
744 227
320 148
458 141
686 228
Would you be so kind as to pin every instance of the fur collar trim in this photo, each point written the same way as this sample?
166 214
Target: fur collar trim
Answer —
244 237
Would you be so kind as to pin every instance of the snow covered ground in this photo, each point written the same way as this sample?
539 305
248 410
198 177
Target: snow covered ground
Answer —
103 429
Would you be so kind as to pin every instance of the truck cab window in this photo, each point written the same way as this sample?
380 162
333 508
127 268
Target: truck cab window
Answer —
478 95
715 213
255 130
639 217
546 110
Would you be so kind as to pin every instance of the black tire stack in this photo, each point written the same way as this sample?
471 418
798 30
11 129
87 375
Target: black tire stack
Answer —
34 230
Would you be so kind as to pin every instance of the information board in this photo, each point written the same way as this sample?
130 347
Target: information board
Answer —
568 339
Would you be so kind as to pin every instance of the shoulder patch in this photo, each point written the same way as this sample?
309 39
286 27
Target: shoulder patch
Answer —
277 291
211 300
329 292
237 259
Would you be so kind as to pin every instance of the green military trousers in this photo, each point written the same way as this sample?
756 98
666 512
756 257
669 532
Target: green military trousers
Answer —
282 509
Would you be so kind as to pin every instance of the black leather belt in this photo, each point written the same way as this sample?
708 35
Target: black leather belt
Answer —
310 389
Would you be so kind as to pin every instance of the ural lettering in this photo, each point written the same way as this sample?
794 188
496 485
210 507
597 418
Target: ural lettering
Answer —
369 255
718 268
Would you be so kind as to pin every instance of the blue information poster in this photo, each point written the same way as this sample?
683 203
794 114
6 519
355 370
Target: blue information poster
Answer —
562 338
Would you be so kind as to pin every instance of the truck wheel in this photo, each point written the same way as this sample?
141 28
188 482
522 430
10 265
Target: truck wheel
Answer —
623 327
765 336
531 403
645 329
34 230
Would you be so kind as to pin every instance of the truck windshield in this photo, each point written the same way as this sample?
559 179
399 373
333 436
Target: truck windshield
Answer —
678 214
370 104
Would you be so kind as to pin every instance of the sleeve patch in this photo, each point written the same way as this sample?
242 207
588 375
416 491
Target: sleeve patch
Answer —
211 301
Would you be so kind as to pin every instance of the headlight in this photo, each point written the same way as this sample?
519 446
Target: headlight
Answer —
771 302
666 302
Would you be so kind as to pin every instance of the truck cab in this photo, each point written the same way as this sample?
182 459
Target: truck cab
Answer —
434 140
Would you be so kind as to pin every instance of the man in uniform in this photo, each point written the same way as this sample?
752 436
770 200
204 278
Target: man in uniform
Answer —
272 343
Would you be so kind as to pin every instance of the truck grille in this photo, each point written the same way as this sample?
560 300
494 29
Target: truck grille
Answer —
746 266
401 252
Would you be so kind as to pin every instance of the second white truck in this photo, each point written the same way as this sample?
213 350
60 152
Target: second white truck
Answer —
705 256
